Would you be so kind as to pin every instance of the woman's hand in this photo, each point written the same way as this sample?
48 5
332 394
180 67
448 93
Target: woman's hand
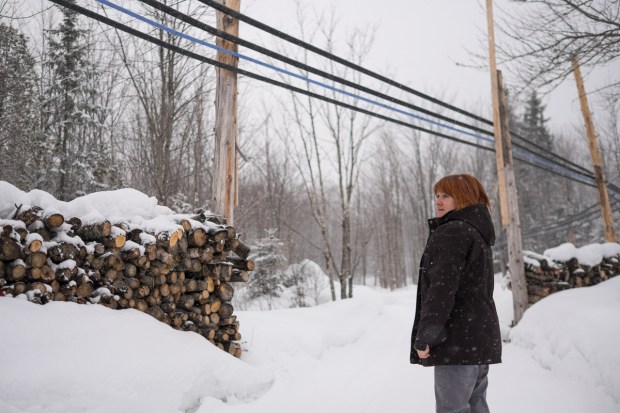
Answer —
424 354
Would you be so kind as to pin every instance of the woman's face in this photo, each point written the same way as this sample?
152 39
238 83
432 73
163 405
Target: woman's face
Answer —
444 203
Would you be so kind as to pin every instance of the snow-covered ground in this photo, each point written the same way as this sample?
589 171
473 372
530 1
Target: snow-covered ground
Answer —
349 355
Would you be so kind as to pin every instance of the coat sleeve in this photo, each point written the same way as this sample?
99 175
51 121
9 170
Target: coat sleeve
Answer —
446 261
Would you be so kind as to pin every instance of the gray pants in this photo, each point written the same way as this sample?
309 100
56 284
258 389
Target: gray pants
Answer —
461 389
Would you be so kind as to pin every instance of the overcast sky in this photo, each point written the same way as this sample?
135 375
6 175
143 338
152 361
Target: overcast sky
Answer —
421 43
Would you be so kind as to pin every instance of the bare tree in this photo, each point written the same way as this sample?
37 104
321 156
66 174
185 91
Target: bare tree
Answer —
545 34
610 134
169 114
326 145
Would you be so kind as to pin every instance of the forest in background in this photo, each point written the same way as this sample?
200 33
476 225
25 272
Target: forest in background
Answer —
85 108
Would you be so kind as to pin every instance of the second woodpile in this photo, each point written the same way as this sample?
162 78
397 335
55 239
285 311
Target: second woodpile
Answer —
179 269
545 277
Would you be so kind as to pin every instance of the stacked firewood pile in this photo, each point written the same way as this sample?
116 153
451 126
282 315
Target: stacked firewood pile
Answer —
545 276
178 269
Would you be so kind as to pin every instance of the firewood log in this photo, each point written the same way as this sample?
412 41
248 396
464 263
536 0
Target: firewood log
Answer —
95 232
33 245
208 331
230 321
143 291
240 276
22 232
15 270
114 241
242 250
186 301
241 264
19 288
224 291
225 311
10 250
537 290
225 273
35 259
130 270
190 285
30 215
214 317
168 240
84 289
215 303
182 244
169 308
197 237
75 223
62 252
217 233
63 275
157 313
141 305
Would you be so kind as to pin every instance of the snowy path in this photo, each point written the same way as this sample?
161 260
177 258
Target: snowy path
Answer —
372 374
344 356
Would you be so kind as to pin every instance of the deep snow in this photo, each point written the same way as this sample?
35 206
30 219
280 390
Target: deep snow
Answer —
349 355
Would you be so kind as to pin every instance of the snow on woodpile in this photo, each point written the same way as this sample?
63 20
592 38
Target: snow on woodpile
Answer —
122 250
567 266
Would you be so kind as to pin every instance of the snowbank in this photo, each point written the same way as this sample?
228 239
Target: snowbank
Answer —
575 333
107 204
66 357
590 255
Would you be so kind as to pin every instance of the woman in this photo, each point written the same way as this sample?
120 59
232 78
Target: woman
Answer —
456 327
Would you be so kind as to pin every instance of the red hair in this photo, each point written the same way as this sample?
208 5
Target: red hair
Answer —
465 189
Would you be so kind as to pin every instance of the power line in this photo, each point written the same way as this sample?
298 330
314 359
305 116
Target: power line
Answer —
305 78
314 49
287 72
581 218
308 46
177 49
211 30
180 50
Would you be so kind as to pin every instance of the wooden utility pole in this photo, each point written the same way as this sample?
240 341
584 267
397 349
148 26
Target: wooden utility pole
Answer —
225 181
513 230
599 172
499 153
509 206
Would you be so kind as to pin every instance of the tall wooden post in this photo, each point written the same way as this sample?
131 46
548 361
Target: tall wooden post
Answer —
599 172
499 153
506 180
225 162
513 230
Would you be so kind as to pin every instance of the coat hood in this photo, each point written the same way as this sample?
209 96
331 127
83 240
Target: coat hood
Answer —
477 216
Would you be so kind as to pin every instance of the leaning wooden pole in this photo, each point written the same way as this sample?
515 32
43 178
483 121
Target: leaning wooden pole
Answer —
499 153
599 172
225 154
513 230
506 180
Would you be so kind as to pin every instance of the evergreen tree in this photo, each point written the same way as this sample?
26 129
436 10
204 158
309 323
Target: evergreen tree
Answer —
70 113
270 263
537 189
17 103
534 124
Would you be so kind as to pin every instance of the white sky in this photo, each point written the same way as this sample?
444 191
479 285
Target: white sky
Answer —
420 43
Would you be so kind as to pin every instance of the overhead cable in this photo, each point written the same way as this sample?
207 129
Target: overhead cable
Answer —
180 50
307 79
298 42
241 42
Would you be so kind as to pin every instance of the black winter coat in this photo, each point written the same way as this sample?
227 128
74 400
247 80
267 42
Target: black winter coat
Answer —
455 311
